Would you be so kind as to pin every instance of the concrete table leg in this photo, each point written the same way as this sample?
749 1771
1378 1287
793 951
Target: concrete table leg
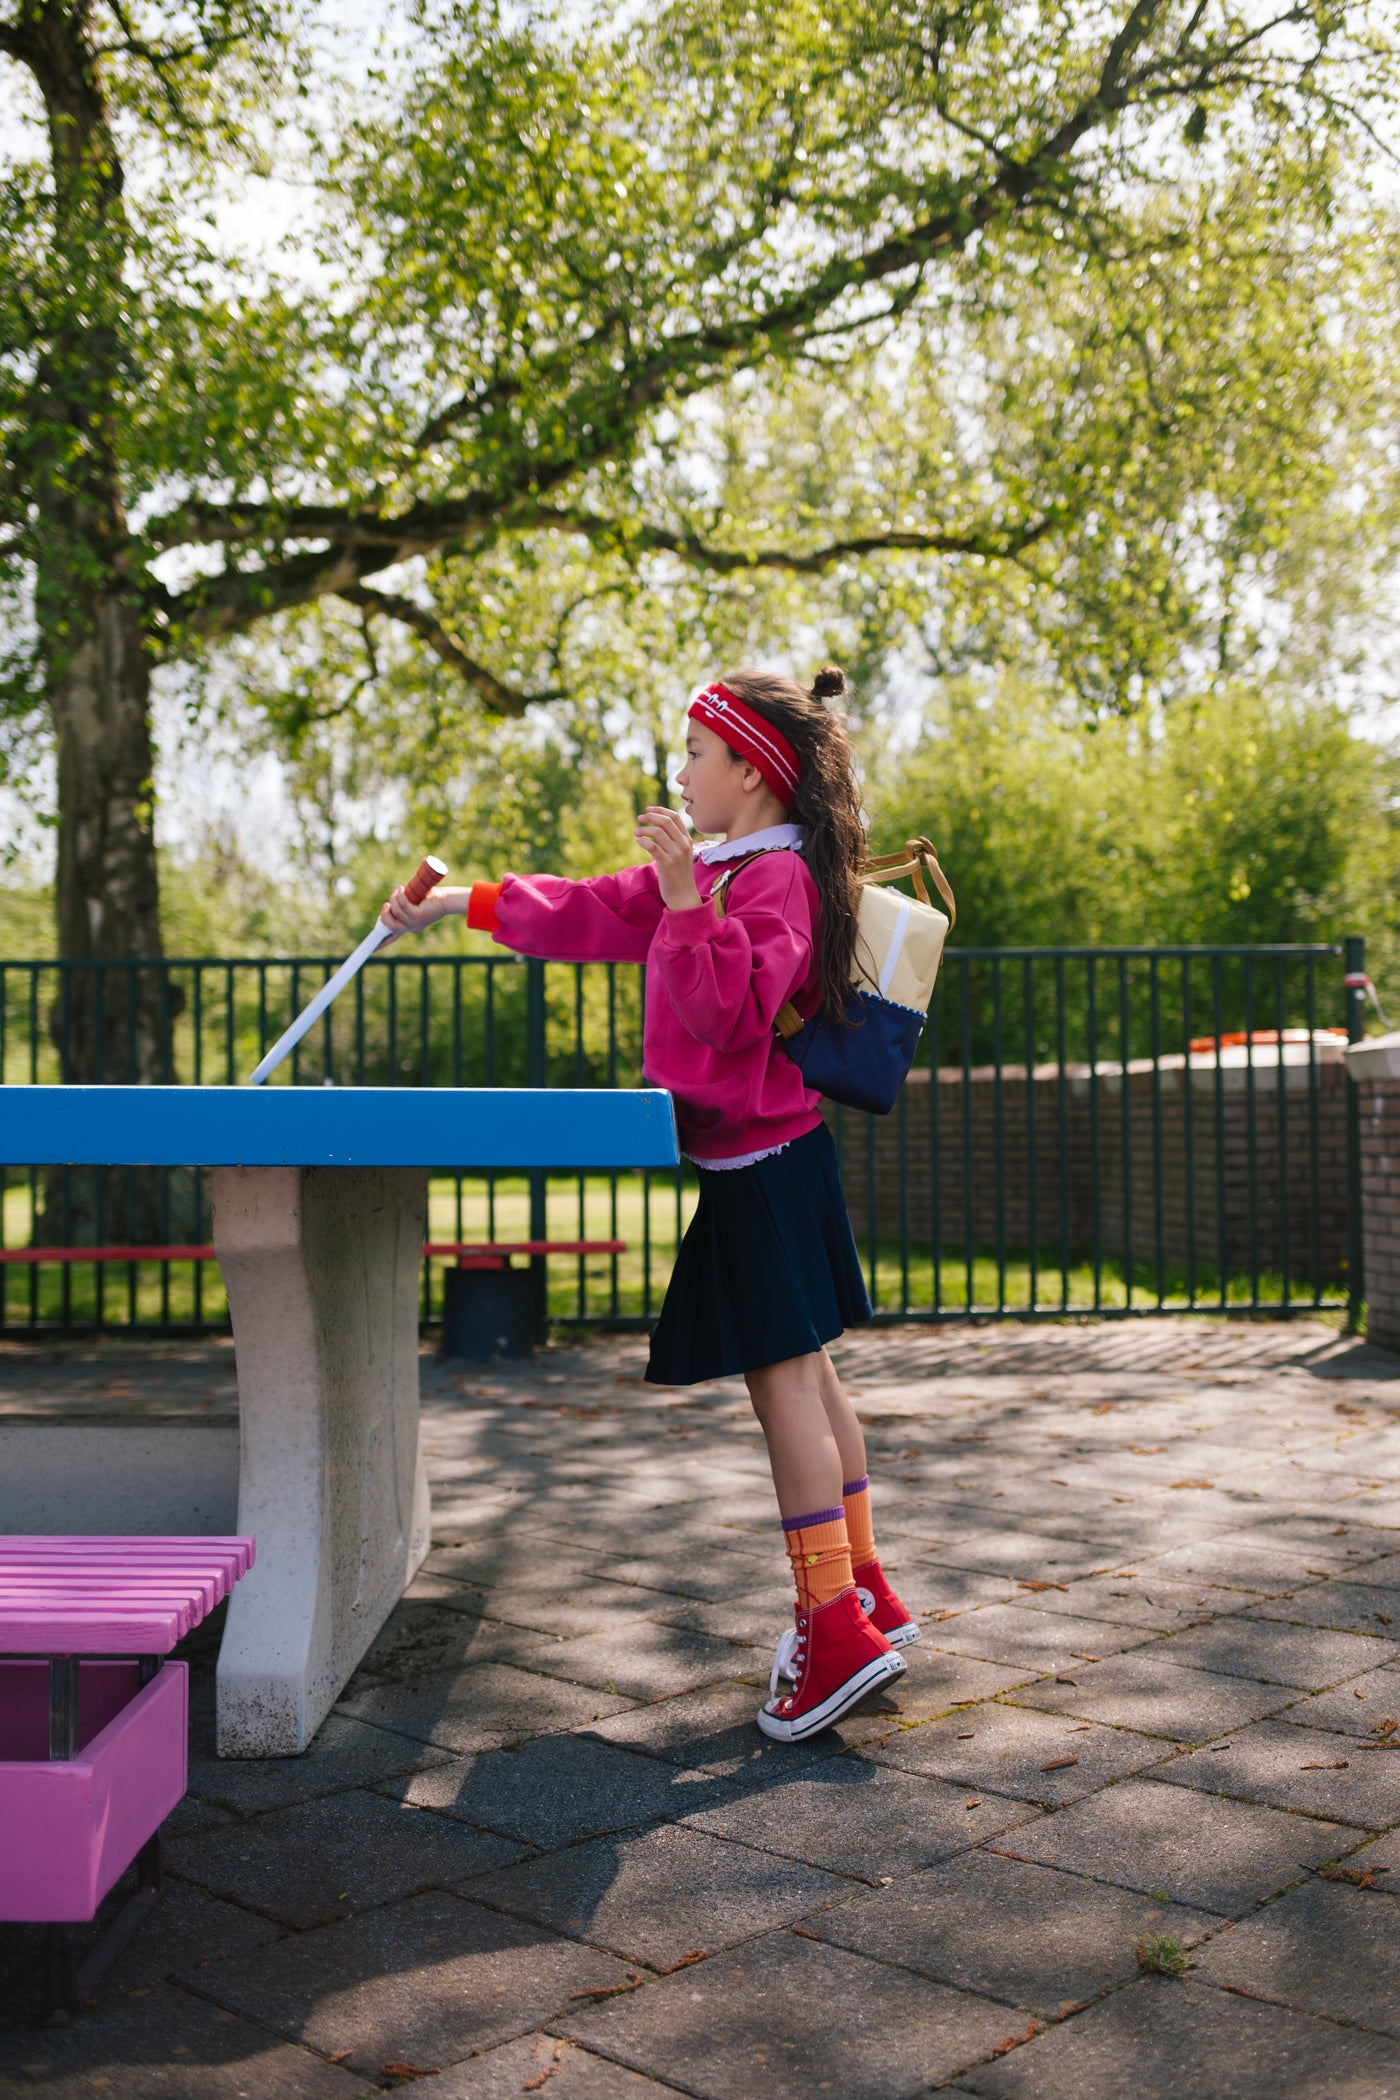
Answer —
321 1266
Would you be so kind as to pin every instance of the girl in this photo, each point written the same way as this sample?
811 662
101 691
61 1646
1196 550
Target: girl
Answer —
767 1273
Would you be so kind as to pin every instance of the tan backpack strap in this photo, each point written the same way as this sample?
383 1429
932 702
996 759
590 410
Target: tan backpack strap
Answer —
918 859
787 1020
731 869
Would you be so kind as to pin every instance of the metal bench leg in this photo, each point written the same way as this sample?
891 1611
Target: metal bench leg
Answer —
70 1983
61 1974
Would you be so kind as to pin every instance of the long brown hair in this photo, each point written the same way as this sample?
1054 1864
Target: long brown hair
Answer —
828 807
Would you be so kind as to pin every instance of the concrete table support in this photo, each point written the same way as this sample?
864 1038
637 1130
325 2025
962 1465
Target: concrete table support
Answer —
321 1266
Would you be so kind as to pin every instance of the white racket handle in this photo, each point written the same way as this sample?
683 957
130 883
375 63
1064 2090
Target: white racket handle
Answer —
430 872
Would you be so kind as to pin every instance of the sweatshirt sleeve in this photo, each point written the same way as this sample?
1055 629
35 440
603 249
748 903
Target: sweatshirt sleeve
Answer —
607 918
728 977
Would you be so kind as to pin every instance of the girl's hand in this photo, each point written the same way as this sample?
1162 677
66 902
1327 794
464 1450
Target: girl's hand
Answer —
413 918
662 832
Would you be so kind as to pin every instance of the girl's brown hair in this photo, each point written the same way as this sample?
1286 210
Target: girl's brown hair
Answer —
828 807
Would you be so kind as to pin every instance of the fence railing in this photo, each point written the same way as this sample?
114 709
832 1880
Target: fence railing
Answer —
1102 1130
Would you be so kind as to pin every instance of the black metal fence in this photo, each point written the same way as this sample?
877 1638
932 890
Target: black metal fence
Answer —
1103 1130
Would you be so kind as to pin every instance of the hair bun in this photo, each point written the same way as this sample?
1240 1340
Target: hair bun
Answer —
829 683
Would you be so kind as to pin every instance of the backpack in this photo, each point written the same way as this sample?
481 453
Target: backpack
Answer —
899 945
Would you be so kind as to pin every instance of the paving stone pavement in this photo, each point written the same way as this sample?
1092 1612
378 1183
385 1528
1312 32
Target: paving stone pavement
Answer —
1129 1827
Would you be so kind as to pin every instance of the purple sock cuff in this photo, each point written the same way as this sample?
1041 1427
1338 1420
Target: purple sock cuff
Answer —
815 1516
854 1487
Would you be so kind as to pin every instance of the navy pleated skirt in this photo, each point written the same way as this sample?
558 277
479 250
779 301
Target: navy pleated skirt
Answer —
767 1269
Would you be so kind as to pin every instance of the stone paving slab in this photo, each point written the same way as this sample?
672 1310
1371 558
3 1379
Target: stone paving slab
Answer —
787 2018
1313 1658
184 1918
867 1931
1037 1640
1196 1848
640 1661
425 1982
588 1607
345 1753
1352 1607
930 1588
1028 1935
1046 1758
656 1895
1326 1948
327 1859
422 1636
1357 1708
1025 1553
524 2066
1232 1562
166 2045
1306 1769
1381 1856
1124 1599
558 1789
706 1581
478 1708
863 1819
1159 2040
1140 1690
1348 1540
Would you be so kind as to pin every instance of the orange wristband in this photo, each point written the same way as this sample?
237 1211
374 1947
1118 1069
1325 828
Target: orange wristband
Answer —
481 906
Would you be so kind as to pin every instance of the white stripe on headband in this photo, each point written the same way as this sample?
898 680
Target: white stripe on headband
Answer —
717 704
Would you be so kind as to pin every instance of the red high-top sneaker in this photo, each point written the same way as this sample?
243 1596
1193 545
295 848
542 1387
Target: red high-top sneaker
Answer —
881 1606
837 1657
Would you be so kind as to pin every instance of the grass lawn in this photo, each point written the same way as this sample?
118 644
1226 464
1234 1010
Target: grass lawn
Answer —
650 1219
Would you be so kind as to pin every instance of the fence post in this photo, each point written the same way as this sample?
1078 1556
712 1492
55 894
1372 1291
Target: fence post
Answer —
1354 952
537 1074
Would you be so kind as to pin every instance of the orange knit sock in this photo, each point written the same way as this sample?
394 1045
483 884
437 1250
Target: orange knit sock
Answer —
820 1554
855 1494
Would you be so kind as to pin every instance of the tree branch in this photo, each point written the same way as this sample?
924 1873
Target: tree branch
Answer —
501 699
601 410
1003 544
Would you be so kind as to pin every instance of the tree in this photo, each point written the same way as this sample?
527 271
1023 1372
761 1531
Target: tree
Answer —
540 243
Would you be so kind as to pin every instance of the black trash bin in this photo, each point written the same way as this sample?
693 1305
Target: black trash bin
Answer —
492 1309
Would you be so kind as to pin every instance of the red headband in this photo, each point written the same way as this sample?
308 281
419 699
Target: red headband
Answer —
750 736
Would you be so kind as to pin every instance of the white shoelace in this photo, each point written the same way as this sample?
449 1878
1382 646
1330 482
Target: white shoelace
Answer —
789 1642
787 1662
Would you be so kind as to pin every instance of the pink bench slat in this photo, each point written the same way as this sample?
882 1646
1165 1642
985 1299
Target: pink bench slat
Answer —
130 1551
104 1596
134 1632
30 1589
110 1589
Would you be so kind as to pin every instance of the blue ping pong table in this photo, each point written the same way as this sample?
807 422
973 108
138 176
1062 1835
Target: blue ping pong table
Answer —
320 1199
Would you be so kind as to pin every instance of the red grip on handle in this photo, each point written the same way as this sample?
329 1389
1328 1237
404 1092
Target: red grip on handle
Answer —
429 875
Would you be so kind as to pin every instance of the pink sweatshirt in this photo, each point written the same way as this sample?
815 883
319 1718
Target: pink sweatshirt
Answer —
713 985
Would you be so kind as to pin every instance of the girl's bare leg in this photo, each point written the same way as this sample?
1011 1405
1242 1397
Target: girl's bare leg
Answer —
789 1400
843 1420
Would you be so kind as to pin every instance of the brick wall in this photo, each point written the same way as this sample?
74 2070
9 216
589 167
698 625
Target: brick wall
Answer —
1378 1099
1022 1157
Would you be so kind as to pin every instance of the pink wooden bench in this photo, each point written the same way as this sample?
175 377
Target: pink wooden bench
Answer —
94 1727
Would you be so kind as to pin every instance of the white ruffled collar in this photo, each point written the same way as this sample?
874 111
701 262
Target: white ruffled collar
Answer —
766 841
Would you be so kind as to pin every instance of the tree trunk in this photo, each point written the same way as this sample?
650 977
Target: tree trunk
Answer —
114 1014
112 1019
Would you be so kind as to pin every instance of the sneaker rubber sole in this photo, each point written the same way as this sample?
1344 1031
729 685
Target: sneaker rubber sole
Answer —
845 1696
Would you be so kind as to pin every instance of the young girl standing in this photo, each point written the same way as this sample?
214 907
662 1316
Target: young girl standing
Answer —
767 1273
